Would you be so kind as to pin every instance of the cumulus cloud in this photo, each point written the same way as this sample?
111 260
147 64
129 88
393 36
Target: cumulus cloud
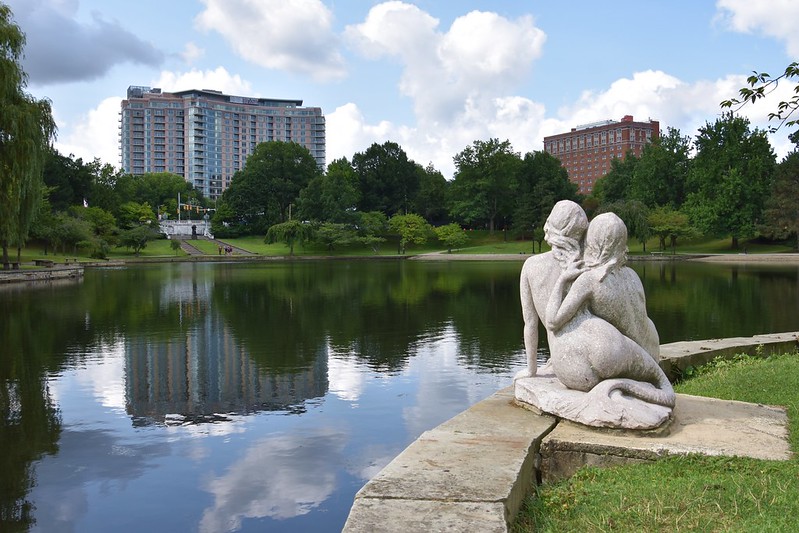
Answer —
295 36
93 135
775 18
673 102
218 79
461 81
480 56
61 49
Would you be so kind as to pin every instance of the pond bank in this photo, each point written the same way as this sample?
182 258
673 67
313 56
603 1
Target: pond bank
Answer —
41 274
472 472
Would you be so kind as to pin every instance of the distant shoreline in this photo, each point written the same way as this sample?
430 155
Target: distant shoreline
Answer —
781 258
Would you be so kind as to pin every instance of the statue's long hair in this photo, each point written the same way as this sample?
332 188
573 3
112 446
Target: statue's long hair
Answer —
606 244
564 231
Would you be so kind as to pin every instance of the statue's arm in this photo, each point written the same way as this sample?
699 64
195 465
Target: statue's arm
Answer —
562 309
530 316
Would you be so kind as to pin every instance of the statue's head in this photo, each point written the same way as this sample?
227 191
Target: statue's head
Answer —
606 243
564 230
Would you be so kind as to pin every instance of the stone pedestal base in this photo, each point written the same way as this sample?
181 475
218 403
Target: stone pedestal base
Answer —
600 407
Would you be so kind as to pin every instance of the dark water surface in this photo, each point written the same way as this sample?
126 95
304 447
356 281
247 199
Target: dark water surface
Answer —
262 396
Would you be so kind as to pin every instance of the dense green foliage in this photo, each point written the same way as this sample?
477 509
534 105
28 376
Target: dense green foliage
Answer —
730 178
26 130
724 183
484 180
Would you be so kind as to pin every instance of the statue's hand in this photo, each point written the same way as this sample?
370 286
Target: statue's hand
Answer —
524 373
573 271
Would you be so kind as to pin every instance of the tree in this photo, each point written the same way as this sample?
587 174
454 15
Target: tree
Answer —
452 236
333 196
389 181
290 232
761 84
262 192
70 232
481 191
730 178
661 172
333 234
371 228
634 214
541 183
103 191
781 216
669 223
157 189
411 228
136 238
103 229
431 199
616 184
132 214
68 180
27 129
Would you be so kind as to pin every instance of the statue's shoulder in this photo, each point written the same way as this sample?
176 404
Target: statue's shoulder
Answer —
538 261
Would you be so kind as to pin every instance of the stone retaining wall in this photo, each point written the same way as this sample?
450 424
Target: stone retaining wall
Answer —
472 472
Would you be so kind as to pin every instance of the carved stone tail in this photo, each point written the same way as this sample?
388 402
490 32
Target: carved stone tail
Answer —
660 394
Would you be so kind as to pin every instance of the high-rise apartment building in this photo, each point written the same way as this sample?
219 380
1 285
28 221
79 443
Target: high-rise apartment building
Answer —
205 136
587 150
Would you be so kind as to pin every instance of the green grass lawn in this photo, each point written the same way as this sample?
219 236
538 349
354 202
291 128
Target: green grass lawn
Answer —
693 492
480 242
255 244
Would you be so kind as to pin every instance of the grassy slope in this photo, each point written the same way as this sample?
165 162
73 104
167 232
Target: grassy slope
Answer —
689 492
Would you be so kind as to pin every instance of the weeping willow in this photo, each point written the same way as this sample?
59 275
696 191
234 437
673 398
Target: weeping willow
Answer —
27 130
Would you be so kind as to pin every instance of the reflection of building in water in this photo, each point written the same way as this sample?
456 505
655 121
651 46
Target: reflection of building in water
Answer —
208 373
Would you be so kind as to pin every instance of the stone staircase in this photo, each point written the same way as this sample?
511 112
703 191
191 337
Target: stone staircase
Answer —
187 246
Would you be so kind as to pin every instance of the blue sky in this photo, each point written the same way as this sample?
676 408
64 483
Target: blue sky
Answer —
432 76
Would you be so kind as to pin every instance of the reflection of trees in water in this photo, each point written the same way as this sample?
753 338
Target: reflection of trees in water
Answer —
700 301
287 313
30 423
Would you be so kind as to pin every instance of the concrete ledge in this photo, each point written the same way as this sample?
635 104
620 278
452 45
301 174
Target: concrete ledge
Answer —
677 356
700 425
45 274
472 472
482 459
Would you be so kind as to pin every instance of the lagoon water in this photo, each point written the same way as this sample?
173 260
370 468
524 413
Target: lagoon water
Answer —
262 396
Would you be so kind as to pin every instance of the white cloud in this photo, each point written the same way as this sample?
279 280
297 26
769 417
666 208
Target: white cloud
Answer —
772 18
461 82
94 134
481 56
218 79
674 103
294 36
192 52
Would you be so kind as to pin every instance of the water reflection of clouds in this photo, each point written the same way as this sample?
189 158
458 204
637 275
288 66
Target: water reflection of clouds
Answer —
86 458
279 477
345 376
443 382
103 375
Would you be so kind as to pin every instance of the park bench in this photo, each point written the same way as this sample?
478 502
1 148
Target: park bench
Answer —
43 263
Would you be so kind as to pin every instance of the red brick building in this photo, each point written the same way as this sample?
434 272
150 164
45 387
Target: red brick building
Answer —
587 150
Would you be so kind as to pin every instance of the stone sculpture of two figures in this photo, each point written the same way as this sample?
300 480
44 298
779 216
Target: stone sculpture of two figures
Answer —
603 369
